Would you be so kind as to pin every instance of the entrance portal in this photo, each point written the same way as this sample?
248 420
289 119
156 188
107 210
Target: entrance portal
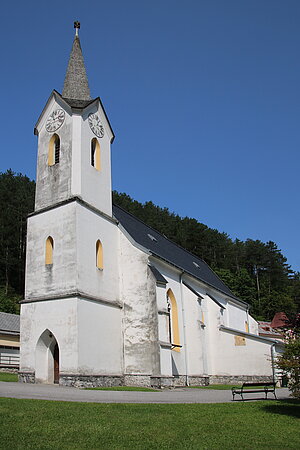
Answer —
47 359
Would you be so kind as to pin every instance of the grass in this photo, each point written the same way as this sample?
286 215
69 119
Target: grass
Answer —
67 425
122 388
6 376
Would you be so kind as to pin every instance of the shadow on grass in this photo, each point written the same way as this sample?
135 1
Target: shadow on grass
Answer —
290 407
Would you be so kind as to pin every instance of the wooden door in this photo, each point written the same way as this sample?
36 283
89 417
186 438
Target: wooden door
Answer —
56 364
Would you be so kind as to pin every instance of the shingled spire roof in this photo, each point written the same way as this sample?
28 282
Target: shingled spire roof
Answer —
76 84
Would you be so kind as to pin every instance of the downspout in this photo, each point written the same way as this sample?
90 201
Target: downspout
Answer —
273 362
184 333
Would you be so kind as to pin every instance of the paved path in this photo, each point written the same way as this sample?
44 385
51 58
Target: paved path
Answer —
182 395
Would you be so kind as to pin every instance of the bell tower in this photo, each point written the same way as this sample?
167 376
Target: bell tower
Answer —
71 313
74 137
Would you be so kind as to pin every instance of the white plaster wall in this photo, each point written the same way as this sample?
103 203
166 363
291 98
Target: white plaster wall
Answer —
100 339
172 275
96 185
253 325
58 316
46 280
163 314
163 327
254 358
53 183
237 316
140 319
194 333
91 280
165 362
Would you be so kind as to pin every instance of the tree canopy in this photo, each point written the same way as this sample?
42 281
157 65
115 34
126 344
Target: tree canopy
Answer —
255 271
16 202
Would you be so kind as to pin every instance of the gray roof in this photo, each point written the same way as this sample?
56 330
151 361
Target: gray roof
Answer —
9 322
161 246
76 84
158 276
79 104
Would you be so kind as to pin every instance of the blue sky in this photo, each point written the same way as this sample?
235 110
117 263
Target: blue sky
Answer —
203 97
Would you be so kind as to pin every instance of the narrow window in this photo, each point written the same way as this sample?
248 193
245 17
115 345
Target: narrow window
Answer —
57 149
54 150
99 255
95 154
174 327
49 251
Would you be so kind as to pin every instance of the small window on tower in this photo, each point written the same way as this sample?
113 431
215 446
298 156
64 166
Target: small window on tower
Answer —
49 251
54 150
95 153
99 255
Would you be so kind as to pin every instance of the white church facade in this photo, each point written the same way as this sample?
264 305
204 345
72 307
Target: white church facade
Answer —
108 300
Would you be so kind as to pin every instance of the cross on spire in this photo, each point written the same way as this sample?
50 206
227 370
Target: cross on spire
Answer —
77 27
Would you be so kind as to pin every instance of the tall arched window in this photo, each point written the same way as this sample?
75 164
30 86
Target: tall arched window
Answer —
49 250
54 150
99 255
95 154
174 327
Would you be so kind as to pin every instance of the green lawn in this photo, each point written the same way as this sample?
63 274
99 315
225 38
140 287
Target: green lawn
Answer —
39 424
122 388
5 376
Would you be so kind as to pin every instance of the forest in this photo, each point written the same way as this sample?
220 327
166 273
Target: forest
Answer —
255 271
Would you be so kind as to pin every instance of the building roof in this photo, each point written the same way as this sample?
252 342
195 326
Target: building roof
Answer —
280 320
158 276
162 247
76 84
78 104
265 329
9 323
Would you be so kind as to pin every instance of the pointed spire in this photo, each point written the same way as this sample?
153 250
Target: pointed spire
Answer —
76 84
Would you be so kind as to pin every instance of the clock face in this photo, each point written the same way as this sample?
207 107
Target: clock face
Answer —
55 120
96 125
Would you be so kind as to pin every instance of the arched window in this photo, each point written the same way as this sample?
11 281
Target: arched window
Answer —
99 255
49 250
54 150
95 154
174 327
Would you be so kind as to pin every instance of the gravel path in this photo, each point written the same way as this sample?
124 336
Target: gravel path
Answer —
70 394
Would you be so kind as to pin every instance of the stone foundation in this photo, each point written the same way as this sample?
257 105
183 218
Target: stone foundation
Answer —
156 382
90 380
179 380
137 380
162 382
9 369
238 379
198 380
26 377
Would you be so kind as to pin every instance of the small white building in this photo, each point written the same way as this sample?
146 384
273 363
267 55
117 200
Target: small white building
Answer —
109 300
9 341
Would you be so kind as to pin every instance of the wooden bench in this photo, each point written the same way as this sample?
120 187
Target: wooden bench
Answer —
251 388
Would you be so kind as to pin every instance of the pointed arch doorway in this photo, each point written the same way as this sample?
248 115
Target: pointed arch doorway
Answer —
47 359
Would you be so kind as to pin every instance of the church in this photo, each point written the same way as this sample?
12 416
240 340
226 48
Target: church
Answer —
108 300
